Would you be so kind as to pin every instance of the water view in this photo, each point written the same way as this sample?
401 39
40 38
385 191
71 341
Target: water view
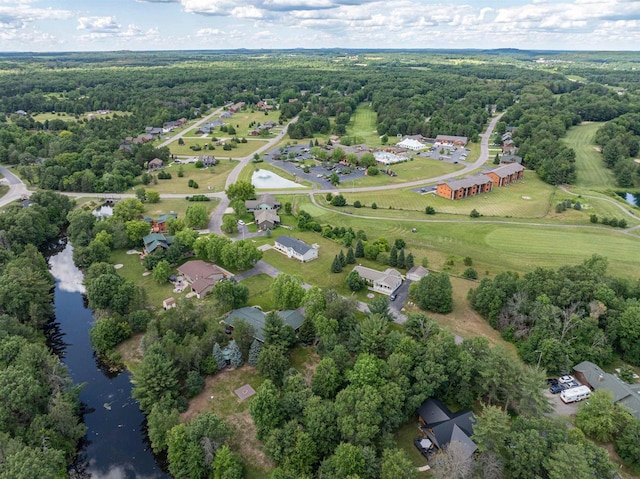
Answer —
631 198
115 446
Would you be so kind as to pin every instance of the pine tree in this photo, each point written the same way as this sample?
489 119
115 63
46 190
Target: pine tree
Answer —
342 259
219 357
235 355
359 249
336 267
351 258
409 262
254 352
496 160
307 331
393 257
401 260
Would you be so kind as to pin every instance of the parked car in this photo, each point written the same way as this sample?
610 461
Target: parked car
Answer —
556 388
572 384
393 297
241 223
552 381
566 379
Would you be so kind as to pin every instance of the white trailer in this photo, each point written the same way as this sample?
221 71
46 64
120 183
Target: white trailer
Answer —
575 394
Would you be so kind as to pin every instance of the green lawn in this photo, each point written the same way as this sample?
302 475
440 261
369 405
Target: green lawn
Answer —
493 247
242 150
215 178
363 125
418 168
4 189
404 440
589 165
259 291
175 205
42 117
132 270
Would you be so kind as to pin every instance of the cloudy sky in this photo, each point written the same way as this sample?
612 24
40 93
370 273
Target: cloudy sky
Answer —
86 25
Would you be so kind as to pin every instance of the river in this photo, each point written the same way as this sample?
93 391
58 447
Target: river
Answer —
115 446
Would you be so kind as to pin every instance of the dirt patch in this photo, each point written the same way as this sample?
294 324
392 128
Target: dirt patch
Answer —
244 441
131 350
637 160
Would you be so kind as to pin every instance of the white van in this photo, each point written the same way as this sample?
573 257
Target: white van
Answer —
575 394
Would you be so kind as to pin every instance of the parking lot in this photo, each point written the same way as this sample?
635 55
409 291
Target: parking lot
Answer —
560 408
450 154
317 172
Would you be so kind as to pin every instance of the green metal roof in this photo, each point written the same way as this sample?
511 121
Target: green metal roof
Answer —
255 318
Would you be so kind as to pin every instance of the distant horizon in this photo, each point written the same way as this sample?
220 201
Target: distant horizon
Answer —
60 26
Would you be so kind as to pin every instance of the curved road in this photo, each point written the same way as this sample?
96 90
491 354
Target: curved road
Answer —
17 189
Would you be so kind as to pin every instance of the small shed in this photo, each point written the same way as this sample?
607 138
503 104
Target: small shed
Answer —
169 303
417 273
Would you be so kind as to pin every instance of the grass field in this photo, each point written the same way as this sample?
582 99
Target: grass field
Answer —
408 171
4 189
259 291
495 247
363 125
590 168
215 178
404 440
42 117
242 150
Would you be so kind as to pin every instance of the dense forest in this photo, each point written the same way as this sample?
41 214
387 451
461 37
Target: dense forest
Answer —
39 411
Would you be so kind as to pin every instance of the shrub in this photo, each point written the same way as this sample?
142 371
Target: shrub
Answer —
357 204
593 218
372 171
164 175
474 213
470 273
430 210
374 206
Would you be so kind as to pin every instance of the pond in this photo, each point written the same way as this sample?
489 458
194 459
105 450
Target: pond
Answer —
631 198
269 179
116 445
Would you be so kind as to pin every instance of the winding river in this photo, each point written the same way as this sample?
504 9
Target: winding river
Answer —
116 445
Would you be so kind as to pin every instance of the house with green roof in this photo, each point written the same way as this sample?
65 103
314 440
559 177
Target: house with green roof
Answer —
593 376
255 317
153 241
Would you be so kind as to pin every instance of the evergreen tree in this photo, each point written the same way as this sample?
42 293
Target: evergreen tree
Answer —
342 259
254 352
409 261
336 266
307 332
359 249
218 356
401 260
235 355
351 257
393 257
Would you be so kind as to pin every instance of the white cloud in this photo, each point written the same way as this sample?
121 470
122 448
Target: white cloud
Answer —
19 15
208 32
107 27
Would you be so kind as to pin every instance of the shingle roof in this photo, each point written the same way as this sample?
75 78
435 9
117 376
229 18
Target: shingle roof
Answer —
462 139
265 199
255 317
475 180
507 170
627 394
298 246
266 215
419 270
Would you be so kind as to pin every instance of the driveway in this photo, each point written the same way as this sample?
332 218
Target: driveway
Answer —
261 267
559 407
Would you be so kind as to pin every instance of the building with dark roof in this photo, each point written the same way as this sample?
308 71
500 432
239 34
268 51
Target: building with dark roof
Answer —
202 276
255 317
263 202
294 248
506 174
441 427
154 241
464 187
593 376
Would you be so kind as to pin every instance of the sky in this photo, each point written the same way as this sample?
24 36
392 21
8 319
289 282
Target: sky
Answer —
99 25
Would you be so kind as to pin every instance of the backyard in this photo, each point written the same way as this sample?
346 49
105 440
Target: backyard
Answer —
209 180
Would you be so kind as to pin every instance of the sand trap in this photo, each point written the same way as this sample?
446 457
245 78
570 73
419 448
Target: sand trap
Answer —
118 266
526 197
268 179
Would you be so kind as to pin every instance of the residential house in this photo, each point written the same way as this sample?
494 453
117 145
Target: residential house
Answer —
263 202
506 159
226 114
266 219
593 376
440 427
255 317
21 113
208 160
417 273
506 174
155 241
155 164
295 248
411 144
152 130
509 149
506 136
385 282
202 276
452 140
160 226
464 187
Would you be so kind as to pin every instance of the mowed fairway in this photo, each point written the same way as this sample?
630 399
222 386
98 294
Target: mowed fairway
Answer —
496 247
589 165
363 125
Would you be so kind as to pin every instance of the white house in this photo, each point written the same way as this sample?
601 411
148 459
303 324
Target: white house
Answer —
295 248
411 144
385 282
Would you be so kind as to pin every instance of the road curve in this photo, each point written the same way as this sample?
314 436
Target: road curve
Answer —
17 189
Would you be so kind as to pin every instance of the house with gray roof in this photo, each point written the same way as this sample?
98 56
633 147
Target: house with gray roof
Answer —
263 202
294 248
464 187
202 276
255 317
593 376
440 427
417 273
384 282
266 219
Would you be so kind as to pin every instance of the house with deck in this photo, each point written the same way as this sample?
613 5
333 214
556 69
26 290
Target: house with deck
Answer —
384 282
440 427
202 276
155 241
294 248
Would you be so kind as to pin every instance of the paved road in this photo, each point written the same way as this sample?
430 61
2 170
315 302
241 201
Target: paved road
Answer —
215 221
202 120
17 189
